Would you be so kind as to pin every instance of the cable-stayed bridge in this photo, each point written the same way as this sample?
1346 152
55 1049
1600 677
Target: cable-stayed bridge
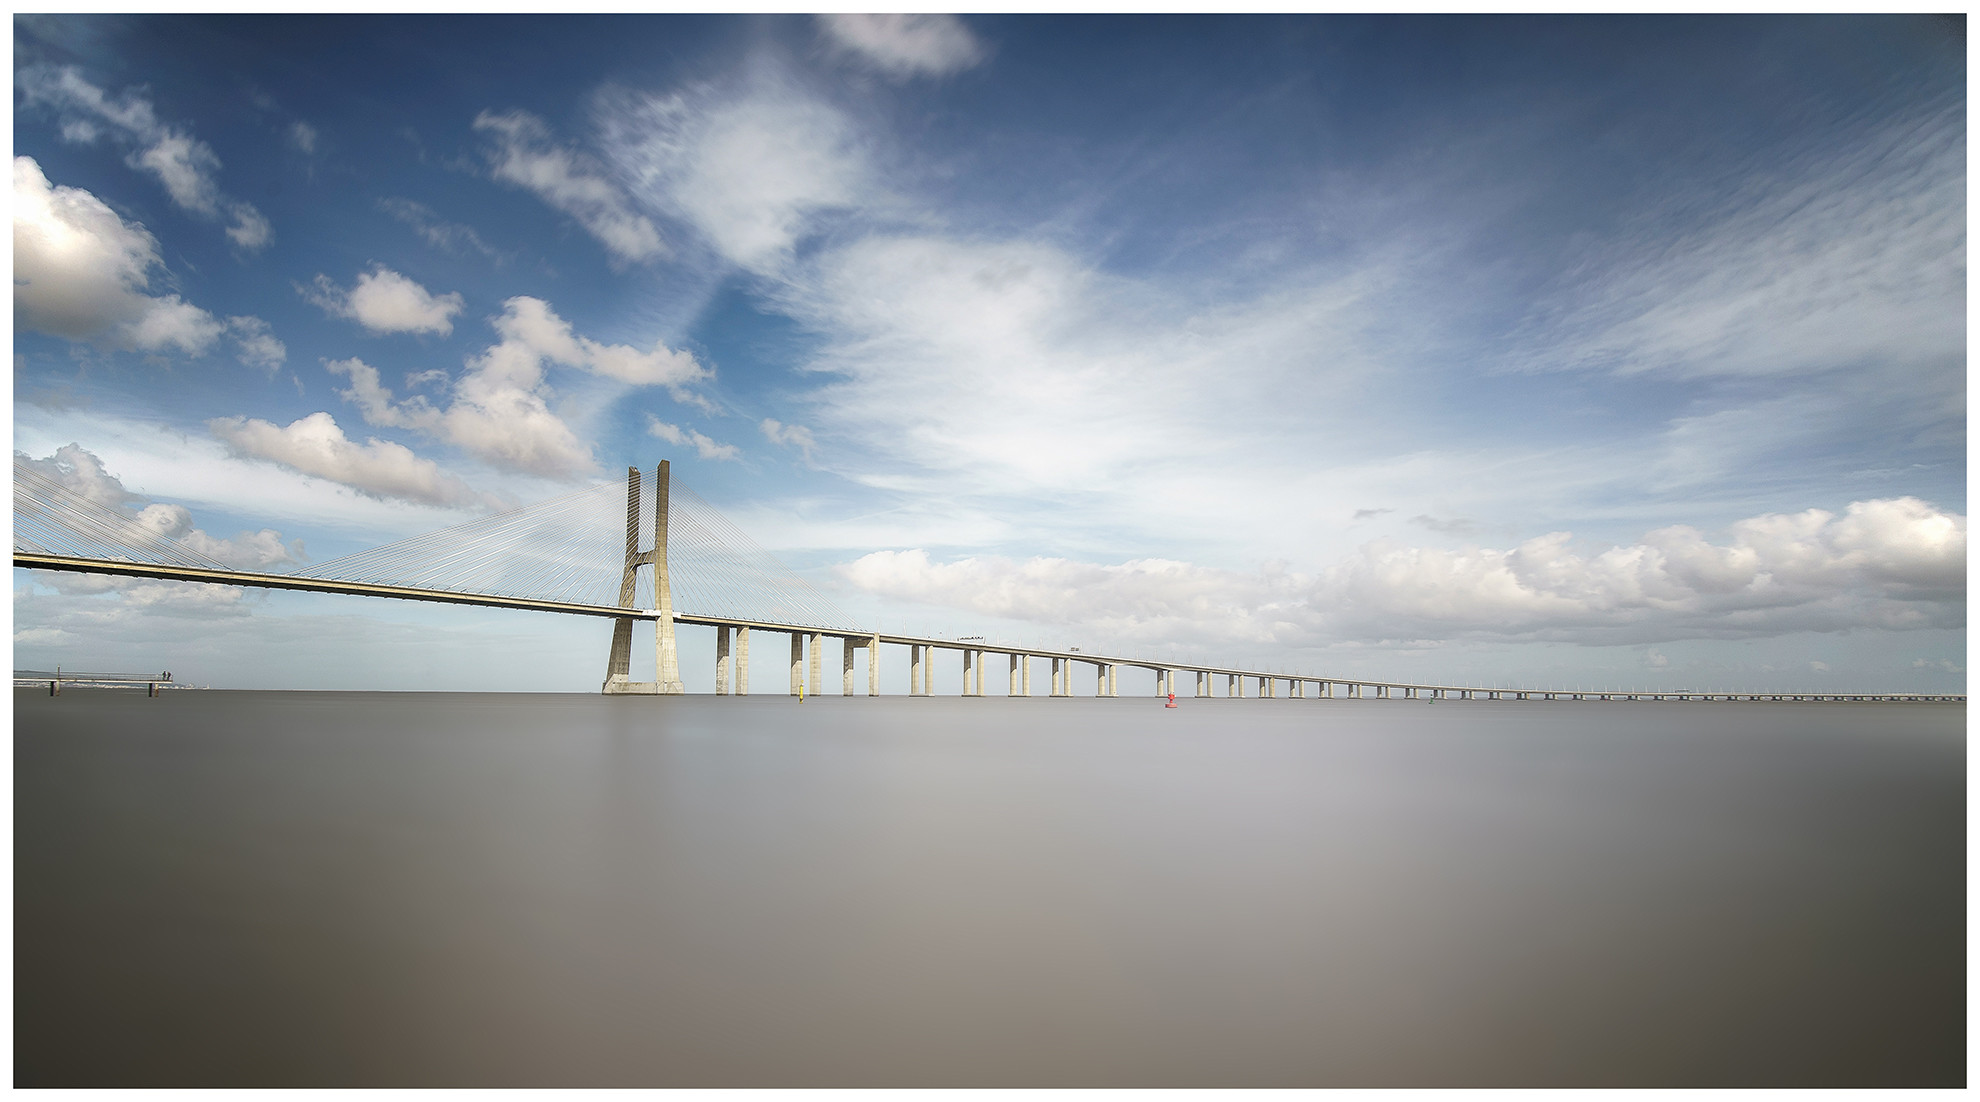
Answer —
647 550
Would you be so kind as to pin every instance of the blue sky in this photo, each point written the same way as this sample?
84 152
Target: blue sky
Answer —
1579 351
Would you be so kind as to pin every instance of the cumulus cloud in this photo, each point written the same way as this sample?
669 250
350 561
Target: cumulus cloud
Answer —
316 446
1893 564
187 167
499 409
522 154
82 273
750 169
81 472
703 446
303 136
383 301
905 45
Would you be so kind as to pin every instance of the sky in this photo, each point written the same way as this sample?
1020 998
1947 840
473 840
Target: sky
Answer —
1598 352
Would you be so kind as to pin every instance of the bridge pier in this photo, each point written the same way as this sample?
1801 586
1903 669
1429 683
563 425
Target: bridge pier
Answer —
721 660
847 648
969 673
873 666
797 663
915 660
742 661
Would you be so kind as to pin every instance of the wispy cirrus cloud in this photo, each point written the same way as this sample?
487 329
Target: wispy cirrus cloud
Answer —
904 45
522 153
749 166
1850 255
452 237
187 167
703 446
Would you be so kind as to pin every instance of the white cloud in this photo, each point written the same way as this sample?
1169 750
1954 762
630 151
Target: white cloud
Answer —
568 181
749 170
499 409
1894 564
258 346
383 301
374 400
80 471
316 446
790 436
187 167
170 323
134 597
303 136
81 272
199 471
531 324
703 446
905 45
250 231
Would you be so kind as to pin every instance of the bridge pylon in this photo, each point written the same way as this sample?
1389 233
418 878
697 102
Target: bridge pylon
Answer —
666 654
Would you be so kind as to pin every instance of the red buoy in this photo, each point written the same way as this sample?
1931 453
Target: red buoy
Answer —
1172 701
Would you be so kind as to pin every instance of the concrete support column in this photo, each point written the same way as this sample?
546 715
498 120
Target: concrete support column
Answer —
742 661
1113 679
1023 662
797 663
816 683
1060 670
721 660
847 648
969 672
666 656
1100 679
916 659
1236 687
873 666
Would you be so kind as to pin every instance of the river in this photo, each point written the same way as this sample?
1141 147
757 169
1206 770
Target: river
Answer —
402 889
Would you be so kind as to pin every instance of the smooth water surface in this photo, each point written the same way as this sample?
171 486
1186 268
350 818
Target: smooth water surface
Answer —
236 888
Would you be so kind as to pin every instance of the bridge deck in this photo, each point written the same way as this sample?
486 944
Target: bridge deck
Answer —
38 561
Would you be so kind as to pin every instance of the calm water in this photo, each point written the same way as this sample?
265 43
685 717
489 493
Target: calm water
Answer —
399 889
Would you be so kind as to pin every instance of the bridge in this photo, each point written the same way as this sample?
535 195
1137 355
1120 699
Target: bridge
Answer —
564 556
